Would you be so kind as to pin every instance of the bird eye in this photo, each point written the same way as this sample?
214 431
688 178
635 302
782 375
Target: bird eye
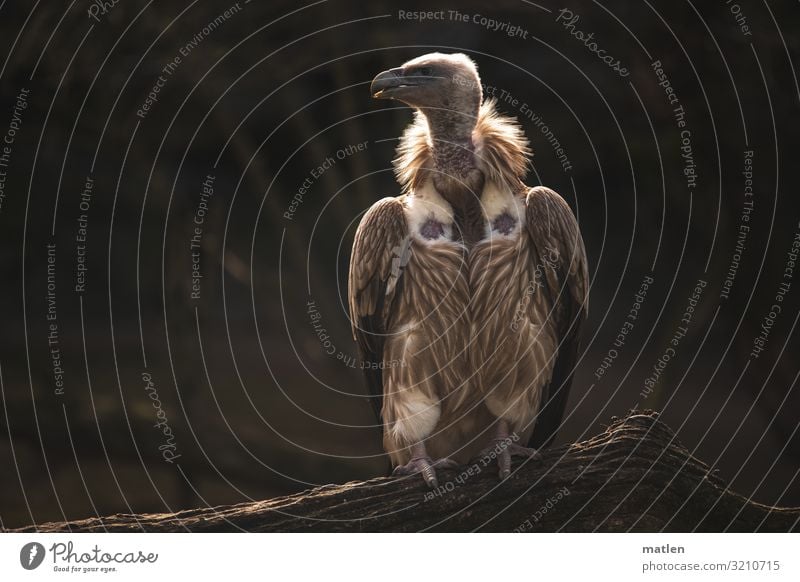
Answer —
425 71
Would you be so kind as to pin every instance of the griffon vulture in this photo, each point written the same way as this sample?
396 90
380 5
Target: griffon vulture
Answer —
468 291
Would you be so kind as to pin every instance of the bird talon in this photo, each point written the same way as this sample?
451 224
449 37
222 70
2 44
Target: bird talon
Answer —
429 476
504 464
426 467
423 466
503 452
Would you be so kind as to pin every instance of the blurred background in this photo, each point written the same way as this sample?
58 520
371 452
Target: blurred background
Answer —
179 187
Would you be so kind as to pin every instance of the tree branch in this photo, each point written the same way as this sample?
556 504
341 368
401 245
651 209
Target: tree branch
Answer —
635 476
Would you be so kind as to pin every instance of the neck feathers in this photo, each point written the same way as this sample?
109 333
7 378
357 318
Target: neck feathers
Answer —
499 149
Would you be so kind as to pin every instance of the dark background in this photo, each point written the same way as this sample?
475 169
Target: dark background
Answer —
256 405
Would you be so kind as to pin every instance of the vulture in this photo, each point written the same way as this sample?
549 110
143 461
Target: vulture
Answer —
467 292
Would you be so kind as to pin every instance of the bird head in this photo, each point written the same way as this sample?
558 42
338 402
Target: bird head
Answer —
435 82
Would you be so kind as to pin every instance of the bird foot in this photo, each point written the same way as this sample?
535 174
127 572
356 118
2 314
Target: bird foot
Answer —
426 467
502 451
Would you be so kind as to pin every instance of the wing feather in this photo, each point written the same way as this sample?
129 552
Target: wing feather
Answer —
557 243
380 251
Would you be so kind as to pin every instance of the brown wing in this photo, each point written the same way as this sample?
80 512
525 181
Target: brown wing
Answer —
557 245
380 251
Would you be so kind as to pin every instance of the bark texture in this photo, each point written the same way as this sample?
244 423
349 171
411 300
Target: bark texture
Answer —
635 476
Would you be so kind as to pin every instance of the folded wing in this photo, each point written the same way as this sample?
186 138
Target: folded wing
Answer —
380 251
557 244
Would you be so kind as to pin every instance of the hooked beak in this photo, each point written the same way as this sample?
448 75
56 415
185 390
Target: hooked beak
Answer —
386 83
